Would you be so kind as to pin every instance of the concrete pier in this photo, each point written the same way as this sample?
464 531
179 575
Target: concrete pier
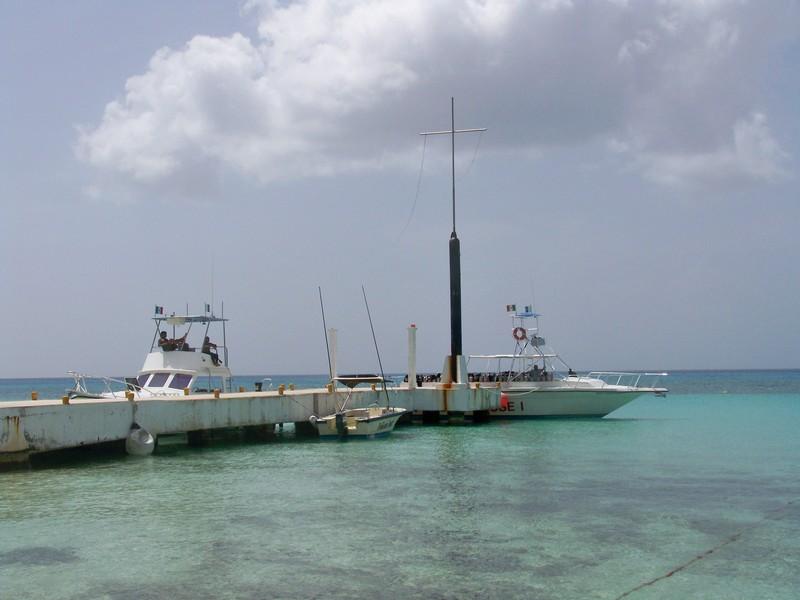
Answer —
35 426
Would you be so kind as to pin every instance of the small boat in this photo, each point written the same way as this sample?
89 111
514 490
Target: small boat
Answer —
360 423
534 381
368 422
172 365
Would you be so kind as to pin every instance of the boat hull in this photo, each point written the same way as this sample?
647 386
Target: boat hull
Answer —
539 403
359 423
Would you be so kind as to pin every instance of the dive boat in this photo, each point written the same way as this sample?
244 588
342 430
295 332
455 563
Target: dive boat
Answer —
364 423
172 365
534 381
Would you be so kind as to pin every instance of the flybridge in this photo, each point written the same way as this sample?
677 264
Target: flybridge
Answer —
205 320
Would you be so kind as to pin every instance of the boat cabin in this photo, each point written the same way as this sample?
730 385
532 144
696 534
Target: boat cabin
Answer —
183 354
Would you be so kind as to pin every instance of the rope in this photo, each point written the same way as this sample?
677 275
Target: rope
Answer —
419 186
419 177
474 156
707 553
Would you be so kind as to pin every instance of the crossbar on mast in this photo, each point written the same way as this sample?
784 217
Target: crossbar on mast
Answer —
456 131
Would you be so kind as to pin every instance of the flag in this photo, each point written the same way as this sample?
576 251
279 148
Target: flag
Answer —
511 307
159 310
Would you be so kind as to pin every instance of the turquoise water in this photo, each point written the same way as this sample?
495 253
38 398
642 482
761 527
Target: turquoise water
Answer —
705 481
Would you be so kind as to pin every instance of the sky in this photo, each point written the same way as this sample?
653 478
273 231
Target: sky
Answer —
637 182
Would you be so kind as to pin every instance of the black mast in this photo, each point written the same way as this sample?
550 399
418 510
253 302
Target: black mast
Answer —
455 254
455 250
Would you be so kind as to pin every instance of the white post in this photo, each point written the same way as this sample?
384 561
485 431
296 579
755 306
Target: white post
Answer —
332 342
412 356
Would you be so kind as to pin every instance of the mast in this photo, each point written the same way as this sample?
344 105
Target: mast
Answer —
325 331
454 247
455 253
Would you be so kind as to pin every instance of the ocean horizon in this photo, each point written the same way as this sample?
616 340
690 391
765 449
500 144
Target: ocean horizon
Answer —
678 381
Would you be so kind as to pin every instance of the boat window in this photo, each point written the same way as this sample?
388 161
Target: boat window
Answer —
142 379
180 381
158 380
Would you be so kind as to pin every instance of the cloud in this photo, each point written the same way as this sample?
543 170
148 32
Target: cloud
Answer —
752 153
330 86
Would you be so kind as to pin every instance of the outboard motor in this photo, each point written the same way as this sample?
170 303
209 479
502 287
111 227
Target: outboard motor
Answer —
341 426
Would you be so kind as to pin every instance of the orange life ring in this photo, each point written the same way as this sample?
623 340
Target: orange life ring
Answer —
519 334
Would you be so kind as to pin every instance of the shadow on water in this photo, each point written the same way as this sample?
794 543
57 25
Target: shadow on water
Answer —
150 591
38 556
174 445
98 455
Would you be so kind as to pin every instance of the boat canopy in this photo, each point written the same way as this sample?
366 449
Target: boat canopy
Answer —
511 356
178 320
352 381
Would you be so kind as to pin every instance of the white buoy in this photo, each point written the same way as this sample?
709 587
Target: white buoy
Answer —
139 442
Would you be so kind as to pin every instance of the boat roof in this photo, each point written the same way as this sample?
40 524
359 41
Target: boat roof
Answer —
183 319
352 381
510 356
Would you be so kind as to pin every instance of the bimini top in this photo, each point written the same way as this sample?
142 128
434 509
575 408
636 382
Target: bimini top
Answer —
352 381
509 356
183 319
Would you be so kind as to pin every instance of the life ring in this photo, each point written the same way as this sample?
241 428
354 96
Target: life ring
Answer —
519 334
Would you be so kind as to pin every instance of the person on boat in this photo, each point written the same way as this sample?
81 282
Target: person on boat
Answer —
168 344
207 349
165 343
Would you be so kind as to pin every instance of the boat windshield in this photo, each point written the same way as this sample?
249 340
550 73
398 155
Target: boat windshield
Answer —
180 381
158 380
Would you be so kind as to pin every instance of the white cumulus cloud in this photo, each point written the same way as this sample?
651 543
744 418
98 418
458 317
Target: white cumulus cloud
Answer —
329 86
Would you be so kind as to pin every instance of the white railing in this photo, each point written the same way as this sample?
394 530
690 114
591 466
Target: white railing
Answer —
81 388
635 380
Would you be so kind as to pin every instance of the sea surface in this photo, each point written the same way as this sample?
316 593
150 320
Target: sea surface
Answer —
696 495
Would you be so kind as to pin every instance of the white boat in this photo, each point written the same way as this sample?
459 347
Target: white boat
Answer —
173 365
534 381
365 423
